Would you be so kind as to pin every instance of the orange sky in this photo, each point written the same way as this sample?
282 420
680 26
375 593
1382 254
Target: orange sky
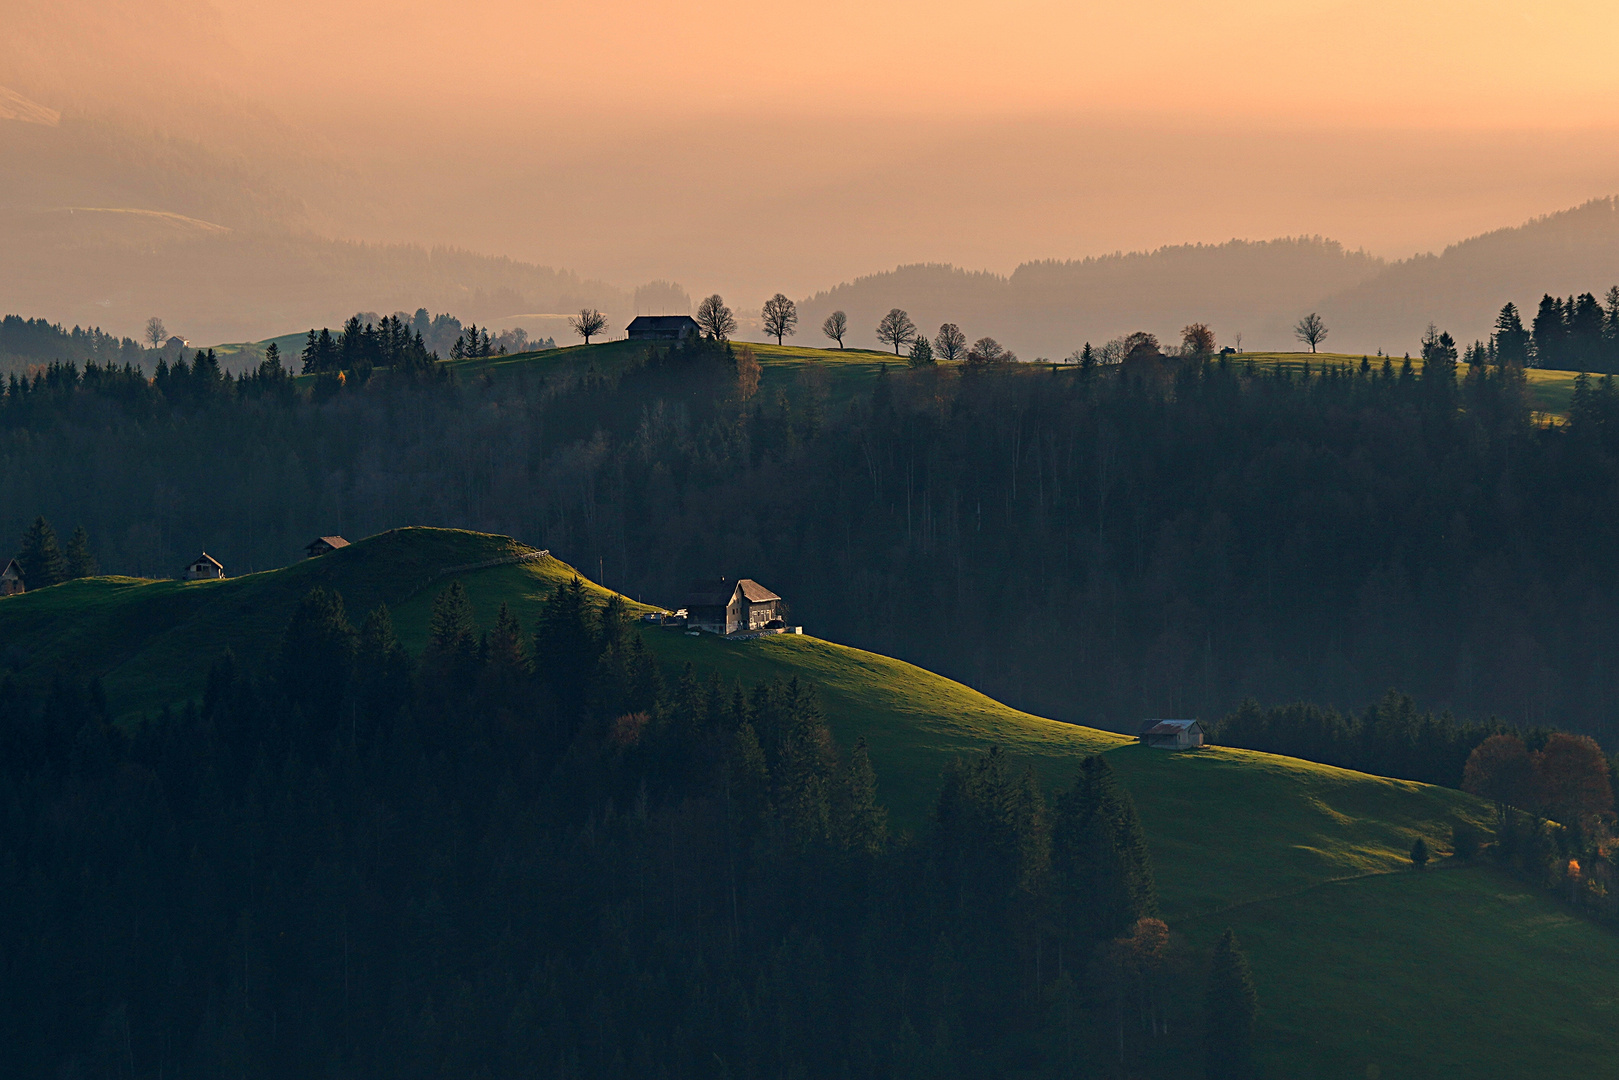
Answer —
1354 62
749 147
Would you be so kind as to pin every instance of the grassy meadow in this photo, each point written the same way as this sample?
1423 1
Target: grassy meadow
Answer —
1359 961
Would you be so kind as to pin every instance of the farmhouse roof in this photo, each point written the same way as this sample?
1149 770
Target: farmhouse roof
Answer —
207 558
755 593
329 541
1167 727
12 567
718 593
667 323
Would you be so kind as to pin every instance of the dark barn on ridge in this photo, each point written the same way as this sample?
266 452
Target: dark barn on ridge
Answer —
662 328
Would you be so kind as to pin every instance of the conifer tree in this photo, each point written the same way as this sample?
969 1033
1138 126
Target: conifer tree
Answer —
921 354
452 637
1419 854
80 563
1510 338
863 822
503 646
747 777
382 666
566 649
41 557
317 653
1229 1013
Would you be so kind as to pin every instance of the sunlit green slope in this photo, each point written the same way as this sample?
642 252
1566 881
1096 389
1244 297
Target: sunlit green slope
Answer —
1359 960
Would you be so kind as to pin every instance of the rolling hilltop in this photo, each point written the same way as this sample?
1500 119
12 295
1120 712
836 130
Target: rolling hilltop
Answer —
1358 961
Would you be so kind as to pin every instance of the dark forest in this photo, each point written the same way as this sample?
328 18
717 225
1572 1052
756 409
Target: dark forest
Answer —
1166 539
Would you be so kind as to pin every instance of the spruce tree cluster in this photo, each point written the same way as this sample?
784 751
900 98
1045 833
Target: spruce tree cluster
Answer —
1230 1010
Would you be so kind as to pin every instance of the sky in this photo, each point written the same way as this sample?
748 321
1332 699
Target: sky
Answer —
751 147
1374 63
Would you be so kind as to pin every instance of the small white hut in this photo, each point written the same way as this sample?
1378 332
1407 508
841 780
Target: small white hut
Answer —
204 567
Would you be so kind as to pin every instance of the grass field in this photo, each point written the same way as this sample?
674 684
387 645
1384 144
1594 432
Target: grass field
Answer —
836 373
1359 961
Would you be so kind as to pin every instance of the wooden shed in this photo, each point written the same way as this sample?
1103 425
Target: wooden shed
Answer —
324 545
11 582
204 567
1172 734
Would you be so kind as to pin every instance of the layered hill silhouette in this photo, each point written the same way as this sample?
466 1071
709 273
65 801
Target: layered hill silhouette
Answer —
1257 289
1359 960
1051 308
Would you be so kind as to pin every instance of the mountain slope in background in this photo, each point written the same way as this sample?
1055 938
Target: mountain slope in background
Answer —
114 267
1051 308
1257 289
1462 289
119 223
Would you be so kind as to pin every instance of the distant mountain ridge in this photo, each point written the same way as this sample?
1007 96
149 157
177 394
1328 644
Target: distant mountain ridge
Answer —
1462 289
1050 308
1256 288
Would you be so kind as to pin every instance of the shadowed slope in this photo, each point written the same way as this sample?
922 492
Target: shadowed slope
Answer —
1359 961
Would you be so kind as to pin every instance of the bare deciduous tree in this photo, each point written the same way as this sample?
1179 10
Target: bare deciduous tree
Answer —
1141 346
896 329
780 317
588 323
950 344
1197 340
836 325
156 332
1311 330
715 319
987 351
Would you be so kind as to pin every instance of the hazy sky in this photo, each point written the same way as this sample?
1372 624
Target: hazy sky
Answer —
750 147
1363 62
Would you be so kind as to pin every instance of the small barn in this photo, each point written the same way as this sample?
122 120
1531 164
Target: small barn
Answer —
204 567
324 545
733 607
11 579
1172 734
662 328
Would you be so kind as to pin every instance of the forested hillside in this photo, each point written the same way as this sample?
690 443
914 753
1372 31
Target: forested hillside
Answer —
494 798
353 859
1165 539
